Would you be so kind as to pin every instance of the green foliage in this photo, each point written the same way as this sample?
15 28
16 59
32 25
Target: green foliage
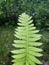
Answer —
6 40
1 1
45 46
26 43
7 12
39 10
42 17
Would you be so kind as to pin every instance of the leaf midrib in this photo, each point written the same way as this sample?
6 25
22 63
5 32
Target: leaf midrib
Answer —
27 41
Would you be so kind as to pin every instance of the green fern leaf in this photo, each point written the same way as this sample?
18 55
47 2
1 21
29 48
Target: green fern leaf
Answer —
26 44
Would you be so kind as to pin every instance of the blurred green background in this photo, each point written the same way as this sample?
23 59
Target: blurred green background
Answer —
9 12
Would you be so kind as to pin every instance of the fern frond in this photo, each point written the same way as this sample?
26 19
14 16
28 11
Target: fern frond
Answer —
26 44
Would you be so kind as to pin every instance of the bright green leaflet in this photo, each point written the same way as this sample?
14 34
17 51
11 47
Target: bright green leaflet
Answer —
26 42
